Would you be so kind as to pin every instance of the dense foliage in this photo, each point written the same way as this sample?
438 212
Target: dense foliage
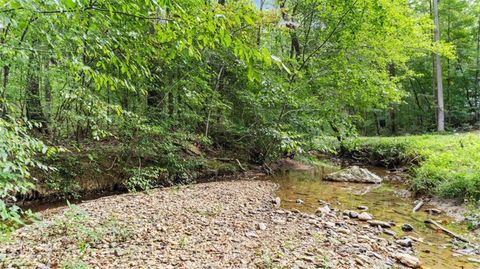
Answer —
460 31
152 78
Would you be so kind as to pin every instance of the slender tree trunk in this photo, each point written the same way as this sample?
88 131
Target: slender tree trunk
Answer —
393 121
434 82
3 97
5 73
171 105
47 88
438 66
393 124
218 85
477 75
377 122
295 43
33 105
417 101
259 33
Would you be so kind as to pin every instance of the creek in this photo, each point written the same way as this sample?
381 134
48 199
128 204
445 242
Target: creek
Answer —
387 201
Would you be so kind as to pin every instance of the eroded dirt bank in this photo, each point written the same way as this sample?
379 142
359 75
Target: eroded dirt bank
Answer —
231 224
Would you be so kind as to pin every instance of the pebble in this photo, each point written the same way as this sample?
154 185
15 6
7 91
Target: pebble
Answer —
382 224
119 252
434 211
277 202
299 201
407 227
362 207
322 210
408 260
261 226
406 242
389 232
365 216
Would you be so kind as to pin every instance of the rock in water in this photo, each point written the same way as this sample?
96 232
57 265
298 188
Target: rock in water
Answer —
354 174
382 224
299 201
362 207
406 242
364 216
408 260
389 232
353 214
407 227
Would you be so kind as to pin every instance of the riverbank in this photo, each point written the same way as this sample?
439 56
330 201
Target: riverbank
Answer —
447 166
220 224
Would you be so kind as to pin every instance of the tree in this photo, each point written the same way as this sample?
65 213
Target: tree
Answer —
438 68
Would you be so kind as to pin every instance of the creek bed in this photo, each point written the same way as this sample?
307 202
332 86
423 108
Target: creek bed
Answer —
386 201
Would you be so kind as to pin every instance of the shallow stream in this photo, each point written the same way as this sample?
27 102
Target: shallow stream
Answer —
386 201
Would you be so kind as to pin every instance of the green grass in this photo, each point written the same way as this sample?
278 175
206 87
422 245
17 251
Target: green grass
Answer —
442 165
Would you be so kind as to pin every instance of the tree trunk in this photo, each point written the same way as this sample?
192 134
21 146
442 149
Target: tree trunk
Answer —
3 97
47 88
33 105
259 33
477 75
295 43
6 71
393 122
438 67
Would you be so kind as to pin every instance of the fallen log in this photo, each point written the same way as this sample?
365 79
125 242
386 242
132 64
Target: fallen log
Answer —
445 230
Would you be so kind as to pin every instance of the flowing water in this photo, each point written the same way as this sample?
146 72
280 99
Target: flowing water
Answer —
385 201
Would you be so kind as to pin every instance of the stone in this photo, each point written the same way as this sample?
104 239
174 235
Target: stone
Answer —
354 174
353 214
322 210
343 231
408 260
362 207
329 224
308 259
406 242
251 234
322 202
277 201
299 201
365 216
261 226
380 223
119 252
407 227
389 232
434 211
